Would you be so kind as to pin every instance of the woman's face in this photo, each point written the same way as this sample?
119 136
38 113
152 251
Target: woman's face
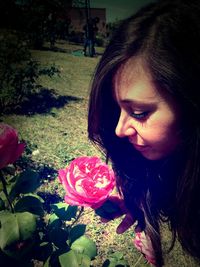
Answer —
149 120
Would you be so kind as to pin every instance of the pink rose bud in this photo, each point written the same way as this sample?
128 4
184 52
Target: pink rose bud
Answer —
87 181
10 149
143 243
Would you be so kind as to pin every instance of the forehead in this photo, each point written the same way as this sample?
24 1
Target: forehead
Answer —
133 80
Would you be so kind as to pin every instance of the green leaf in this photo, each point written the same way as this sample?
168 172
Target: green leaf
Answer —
46 264
116 260
36 196
83 260
54 221
84 245
64 211
26 182
76 232
27 224
16 227
72 259
53 217
31 204
108 210
9 187
122 263
9 231
43 251
117 255
59 237
68 259
56 234
2 196
1 187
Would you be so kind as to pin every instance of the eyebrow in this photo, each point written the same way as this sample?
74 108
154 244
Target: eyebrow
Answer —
137 103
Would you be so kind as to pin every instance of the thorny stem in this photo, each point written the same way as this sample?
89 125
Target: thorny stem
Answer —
78 216
5 191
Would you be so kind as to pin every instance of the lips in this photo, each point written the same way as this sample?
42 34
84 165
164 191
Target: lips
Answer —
140 147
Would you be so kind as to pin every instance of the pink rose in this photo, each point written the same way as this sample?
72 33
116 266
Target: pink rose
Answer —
10 149
87 182
143 243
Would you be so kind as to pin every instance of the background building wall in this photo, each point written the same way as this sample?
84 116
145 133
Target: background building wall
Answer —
78 18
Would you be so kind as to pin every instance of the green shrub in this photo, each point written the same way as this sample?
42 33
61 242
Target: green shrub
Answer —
18 72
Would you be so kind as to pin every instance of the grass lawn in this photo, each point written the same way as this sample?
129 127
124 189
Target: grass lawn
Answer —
58 133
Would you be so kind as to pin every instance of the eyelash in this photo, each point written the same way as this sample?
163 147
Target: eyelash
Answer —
140 116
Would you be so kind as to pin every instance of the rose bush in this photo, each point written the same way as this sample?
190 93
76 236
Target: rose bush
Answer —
143 243
87 181
10 149
27 232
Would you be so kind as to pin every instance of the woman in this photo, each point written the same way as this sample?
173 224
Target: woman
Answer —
144 114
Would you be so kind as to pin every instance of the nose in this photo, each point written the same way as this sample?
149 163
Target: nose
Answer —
124 126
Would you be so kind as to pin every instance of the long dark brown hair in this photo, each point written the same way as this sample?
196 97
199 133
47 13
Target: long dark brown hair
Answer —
166 35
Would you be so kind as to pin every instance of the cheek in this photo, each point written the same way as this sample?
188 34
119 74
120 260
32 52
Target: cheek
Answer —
155 135
161 132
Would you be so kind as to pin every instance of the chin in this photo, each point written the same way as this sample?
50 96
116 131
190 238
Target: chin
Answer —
153 155
156 155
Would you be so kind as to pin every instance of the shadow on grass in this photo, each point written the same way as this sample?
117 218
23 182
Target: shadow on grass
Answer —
75 52
41 103
55 49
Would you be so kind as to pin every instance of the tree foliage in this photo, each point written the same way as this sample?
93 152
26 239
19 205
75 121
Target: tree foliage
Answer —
18 71
32 17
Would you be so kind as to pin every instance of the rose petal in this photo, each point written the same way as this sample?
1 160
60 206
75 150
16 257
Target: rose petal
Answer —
87 181
143 243
10 149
